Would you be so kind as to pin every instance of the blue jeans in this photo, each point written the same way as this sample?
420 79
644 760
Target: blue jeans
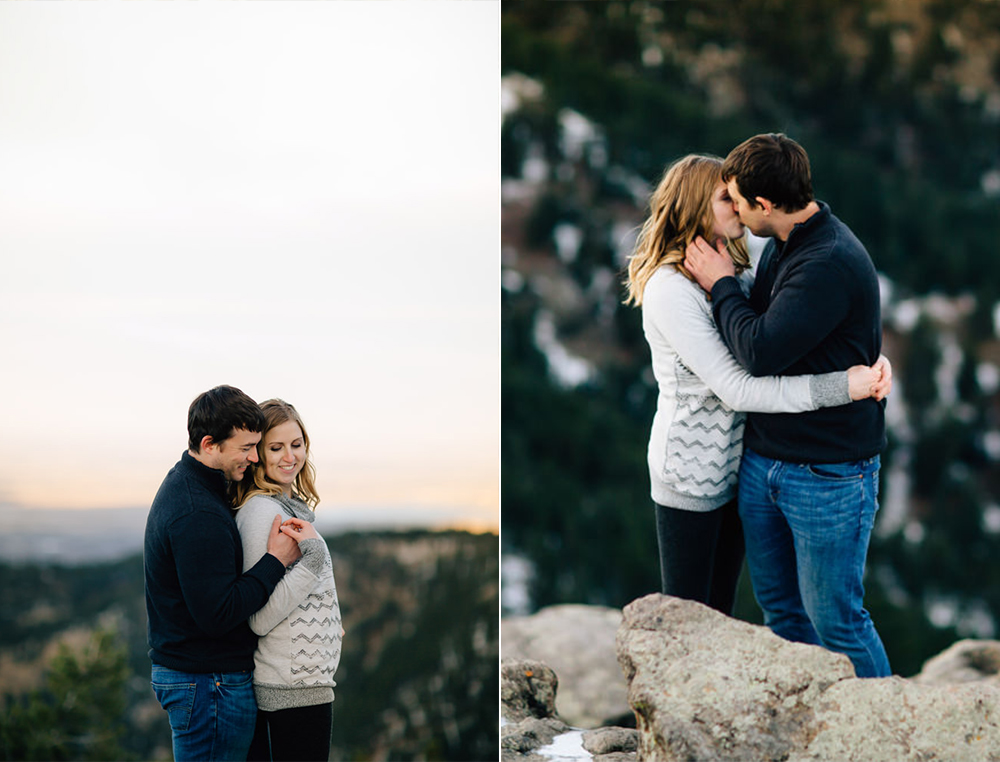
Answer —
212 715
807 528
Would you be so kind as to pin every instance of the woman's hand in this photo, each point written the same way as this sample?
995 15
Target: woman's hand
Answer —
862 380
299 530
884 385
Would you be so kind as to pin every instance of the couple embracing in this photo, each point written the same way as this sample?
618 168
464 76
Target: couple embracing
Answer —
769 419
243 618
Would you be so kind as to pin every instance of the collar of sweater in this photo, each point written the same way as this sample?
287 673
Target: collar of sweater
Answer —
212 478
296 507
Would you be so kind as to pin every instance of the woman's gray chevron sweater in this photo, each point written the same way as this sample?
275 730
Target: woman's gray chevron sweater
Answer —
299 626
697 436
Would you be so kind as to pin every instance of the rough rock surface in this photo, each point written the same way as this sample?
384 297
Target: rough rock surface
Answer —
527 689
708 687
532 732
963 662
578 642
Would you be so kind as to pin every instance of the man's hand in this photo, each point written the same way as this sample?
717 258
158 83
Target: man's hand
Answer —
706 264
281 545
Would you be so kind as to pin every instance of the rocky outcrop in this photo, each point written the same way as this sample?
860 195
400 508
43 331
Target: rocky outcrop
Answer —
531 731
578 642
705 686
966 661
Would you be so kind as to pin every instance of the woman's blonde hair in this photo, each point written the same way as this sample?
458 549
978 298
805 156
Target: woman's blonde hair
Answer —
277 412
680 210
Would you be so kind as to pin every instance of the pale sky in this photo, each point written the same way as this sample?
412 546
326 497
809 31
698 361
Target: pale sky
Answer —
300 199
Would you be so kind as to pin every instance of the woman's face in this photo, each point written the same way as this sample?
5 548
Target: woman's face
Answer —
727 221
284 454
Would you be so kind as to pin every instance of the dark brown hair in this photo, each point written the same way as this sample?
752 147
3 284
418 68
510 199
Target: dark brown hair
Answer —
771 166
219 412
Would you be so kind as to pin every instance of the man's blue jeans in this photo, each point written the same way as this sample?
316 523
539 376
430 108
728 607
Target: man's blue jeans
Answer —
807 528
212 715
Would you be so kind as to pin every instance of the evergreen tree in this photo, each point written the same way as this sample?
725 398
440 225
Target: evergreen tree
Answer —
78 714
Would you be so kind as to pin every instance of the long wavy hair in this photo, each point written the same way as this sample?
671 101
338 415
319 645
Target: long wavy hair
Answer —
680 210
277 412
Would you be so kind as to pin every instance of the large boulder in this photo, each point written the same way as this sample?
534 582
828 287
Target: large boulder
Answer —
578 642
705 686
966 661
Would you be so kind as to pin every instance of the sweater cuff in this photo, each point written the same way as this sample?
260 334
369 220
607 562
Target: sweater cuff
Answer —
725 287
830 389
268 570
312 555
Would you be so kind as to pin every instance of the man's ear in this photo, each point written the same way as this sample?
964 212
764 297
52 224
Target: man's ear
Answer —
767 205
207 444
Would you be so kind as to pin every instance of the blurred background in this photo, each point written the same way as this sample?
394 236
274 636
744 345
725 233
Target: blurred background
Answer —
300 200
898 105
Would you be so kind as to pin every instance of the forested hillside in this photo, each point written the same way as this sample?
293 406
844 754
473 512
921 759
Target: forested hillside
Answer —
417 680
898 105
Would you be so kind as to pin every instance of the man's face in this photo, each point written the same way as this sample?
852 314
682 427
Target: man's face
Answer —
752 217
234 455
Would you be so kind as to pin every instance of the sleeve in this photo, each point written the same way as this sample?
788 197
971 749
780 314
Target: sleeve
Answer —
689 329
254 521
219 595
809 305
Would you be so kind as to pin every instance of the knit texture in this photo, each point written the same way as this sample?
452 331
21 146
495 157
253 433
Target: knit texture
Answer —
200 589
695 444
814 307
300 625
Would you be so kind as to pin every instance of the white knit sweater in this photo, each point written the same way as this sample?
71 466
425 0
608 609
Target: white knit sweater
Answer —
697 437
299 627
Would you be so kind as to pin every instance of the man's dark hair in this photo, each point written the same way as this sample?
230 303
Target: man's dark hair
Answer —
771 166
218 412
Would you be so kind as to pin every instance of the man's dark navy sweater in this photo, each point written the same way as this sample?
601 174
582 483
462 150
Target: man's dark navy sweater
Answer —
198 599
814 308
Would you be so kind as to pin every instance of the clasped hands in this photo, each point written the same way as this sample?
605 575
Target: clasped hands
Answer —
284 538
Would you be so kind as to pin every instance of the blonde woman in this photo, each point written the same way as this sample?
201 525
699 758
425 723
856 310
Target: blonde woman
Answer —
299 627
696 440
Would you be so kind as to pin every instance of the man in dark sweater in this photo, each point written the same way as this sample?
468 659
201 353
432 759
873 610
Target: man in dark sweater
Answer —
198 599
808 483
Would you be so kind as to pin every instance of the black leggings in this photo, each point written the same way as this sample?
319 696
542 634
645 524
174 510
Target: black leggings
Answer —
293 735
701 554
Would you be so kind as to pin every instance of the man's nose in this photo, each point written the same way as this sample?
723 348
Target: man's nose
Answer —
252 455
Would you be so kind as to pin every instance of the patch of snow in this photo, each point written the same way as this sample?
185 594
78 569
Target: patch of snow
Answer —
516 573
894 505
515 89
512 281
914 532
976 622
567 370
990 182
943 612
905 315
568 239
987 377
623 237
567 747
577 133
991 444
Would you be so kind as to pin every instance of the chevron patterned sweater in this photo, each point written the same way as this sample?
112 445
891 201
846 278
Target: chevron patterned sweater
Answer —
299 627
697 436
